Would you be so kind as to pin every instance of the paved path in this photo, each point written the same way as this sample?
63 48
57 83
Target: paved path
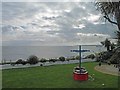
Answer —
108 69
8 66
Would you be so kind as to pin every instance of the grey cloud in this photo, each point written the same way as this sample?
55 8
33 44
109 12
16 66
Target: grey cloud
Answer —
8 29
19 10
24 27
15 9
50 18
51 28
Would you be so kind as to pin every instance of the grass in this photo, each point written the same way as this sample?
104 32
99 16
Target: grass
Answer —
58 76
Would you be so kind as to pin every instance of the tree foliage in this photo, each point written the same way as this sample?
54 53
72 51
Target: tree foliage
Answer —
107 44
62 58
43 60
20 61
110 11
33 59
52 60
118 37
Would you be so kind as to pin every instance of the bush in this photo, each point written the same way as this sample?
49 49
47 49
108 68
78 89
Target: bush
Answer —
20 61
108 62
77 57
52 60
62 59
71 58
68 59
43 60
92 56
107 55
33 59
115 59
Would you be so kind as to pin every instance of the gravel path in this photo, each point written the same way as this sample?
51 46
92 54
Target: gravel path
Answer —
108 69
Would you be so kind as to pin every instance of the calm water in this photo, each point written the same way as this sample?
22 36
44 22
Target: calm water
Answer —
15 52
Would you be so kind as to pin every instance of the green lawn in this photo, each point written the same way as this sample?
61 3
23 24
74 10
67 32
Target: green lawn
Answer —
57 76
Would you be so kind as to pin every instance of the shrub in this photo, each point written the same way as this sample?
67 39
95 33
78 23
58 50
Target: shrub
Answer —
92 56
115 59
43 60
24 62
20 61
108 62
62 59
52 60
68 59
71 58
33 59
77 57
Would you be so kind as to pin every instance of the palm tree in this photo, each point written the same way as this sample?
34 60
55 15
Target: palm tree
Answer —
118 37
107 44
110 11
112 46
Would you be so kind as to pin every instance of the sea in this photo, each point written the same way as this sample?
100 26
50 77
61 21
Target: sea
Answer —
13 53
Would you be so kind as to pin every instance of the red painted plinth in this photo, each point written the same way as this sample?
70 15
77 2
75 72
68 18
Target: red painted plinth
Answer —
80 76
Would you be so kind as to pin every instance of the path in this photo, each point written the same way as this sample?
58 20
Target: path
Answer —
8 66
108 69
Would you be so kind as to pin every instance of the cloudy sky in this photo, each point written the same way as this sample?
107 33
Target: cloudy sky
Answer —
53 23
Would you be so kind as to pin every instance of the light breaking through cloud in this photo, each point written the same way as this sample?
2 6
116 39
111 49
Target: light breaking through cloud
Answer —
53 23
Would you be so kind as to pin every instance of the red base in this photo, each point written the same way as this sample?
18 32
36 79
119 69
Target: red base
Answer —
80 76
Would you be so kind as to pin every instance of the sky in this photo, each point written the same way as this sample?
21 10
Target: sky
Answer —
53 23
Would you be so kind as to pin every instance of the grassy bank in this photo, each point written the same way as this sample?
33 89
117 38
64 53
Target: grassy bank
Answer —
58 76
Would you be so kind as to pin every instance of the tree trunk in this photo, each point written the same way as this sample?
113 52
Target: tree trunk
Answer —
108 48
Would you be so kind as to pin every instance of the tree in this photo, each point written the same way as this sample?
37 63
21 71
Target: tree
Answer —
103 43
118 37
52 60
77 57
20 61
62 59
91 56
112 46
107 44
33 59
111 12
43 60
